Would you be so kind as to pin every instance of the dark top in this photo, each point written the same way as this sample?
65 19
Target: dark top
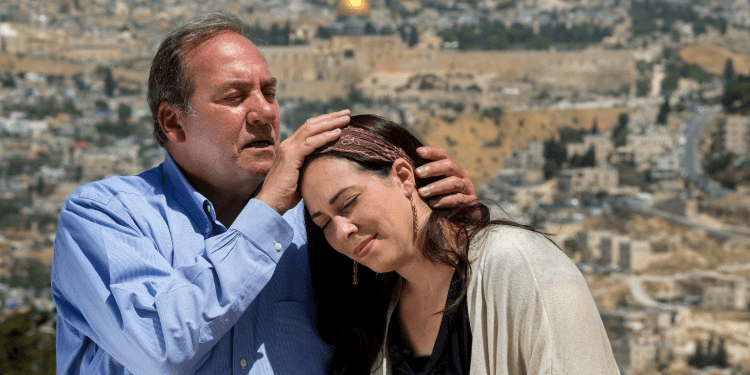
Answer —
451 353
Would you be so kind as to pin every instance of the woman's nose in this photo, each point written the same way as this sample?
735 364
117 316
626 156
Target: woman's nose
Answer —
344 228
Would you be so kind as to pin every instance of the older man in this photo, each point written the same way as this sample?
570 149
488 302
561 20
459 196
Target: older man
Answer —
199 265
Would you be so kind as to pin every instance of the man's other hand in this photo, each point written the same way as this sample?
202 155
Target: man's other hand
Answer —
455 189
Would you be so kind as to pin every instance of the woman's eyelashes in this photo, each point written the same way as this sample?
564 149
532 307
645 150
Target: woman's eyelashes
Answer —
349 203
346 208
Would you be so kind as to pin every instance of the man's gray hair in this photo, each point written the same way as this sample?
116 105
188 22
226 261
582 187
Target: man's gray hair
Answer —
169 80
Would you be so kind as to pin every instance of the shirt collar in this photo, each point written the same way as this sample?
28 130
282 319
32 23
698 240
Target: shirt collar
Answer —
199 208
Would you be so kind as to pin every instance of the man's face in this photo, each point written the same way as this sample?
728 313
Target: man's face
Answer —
232 129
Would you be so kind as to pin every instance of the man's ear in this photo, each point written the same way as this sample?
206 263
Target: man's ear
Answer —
171 120
403 174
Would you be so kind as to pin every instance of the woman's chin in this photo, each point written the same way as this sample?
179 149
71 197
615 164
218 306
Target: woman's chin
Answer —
379 268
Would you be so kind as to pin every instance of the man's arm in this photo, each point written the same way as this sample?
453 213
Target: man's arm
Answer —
114 285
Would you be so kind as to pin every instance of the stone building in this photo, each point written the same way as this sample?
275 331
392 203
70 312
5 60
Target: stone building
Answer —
610 250
637 344
733 136
600 143
634 255
642 147
383 66
588 243
531 157
732 295
575 182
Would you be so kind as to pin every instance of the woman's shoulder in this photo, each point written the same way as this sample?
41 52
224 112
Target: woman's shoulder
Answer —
502 241
505 248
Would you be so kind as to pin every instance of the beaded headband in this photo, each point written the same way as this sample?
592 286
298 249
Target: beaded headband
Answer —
365 143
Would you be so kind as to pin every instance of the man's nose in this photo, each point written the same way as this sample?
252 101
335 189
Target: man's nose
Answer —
260 110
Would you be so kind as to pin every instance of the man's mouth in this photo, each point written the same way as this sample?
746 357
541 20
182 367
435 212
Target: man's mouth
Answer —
259 144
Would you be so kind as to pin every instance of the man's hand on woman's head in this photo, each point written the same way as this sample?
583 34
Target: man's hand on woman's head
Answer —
455 189
279 189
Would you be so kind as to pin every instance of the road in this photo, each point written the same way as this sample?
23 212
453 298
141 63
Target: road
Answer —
690 156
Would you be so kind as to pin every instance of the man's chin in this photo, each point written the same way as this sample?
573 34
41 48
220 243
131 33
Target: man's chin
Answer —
258 170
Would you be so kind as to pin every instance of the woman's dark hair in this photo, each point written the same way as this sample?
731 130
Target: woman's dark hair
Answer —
352 318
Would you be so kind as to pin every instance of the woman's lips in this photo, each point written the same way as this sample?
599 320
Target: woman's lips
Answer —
364 247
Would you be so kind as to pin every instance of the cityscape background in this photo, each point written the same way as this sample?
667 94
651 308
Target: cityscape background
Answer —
620 127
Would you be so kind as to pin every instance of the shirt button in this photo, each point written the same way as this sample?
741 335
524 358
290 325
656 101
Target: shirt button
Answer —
208 230
243 362
277 246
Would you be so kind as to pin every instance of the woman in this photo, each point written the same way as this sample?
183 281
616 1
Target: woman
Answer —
442 291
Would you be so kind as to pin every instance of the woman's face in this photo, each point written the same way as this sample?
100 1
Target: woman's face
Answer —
364 216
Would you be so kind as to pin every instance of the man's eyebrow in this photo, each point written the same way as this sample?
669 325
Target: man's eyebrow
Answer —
241 84
232 84
333 199
269 82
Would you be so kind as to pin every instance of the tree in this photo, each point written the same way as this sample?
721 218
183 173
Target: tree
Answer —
589 158
22 349
661 118
555 154
70 107
550 169
736 98
279 35
323 32
109 83
698 357
620 132
409 34
720 358
555 151
101 106
642 87
719 163
123 112
80 82
539 41
729 71
8 81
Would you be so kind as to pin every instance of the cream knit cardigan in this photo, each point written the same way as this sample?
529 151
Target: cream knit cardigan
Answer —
530 310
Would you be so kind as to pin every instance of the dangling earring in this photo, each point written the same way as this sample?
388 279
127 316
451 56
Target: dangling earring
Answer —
414 217
355 279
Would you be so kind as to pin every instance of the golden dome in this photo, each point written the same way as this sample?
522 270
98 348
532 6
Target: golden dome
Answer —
353 8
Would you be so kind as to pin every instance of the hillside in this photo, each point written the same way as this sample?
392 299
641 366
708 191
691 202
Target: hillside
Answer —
480 143
713 58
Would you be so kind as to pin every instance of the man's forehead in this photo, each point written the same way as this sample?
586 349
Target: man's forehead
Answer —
226 48
216 43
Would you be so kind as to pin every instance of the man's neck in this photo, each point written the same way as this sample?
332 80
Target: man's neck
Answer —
227 214
227 202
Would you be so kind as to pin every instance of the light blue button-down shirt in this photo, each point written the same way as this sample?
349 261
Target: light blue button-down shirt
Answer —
147 281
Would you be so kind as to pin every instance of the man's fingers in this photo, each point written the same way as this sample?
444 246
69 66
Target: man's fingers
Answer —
432 153
445 186
452 200
456 188
314 133
322 123
442 167
321 139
